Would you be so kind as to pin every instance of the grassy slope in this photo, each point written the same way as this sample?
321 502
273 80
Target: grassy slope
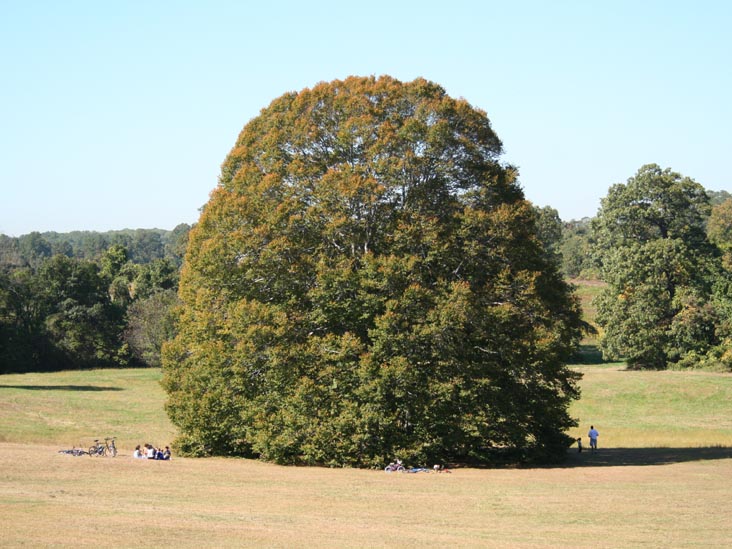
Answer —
626 495
650 409
73 408
631 409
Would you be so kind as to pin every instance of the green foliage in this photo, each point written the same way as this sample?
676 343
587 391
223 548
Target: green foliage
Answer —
160 274
549 228
141 245
576 250
368 281
113 260
718 197
34 248
58 317
659 305
21 321
150 322
10 256
176 242
719 230
67 312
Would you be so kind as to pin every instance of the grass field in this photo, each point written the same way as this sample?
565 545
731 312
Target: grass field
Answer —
73 408
662 477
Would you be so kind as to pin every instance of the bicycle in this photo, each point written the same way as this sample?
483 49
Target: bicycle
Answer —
103 448
74 452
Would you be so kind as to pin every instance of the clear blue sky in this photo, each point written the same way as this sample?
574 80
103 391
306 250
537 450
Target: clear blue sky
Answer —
119 114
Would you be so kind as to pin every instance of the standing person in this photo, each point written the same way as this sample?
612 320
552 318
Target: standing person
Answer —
593 434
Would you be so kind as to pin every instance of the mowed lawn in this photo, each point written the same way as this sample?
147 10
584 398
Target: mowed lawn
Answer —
662 477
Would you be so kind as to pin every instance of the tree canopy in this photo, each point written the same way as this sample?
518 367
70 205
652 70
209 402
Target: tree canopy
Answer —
367 281
666 290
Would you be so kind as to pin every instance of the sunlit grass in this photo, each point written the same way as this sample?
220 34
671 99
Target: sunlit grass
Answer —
604 498
73 408
587 291
637 409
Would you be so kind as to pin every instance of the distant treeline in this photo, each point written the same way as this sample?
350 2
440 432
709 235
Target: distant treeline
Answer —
86 299
143 245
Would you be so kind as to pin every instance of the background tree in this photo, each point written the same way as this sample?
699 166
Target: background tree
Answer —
719 230
576 250
34 248
549 229
23 342
59 316
717 197
367 281
660 268
119 273
93 245
54 311
158 275
83 325
147 246
10 255
176 242
150 323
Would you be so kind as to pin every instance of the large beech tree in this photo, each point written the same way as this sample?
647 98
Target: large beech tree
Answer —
365 282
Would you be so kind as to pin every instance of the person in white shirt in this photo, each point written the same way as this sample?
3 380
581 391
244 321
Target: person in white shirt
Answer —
150 452
138 453
593 434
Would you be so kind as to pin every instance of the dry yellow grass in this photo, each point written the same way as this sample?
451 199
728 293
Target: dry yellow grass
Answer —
630 494
51 499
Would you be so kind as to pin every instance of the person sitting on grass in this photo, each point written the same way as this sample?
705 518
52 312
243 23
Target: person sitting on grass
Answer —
137 454
149 451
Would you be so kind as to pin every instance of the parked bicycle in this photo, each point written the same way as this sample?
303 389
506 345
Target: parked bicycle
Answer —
74 452
103 448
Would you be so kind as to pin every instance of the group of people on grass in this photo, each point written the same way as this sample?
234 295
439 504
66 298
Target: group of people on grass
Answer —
148 451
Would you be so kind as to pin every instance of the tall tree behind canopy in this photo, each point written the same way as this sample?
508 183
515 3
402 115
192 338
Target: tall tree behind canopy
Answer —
719 229
367 281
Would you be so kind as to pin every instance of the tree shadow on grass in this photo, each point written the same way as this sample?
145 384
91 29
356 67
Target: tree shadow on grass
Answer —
623 457
587 354
61 387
